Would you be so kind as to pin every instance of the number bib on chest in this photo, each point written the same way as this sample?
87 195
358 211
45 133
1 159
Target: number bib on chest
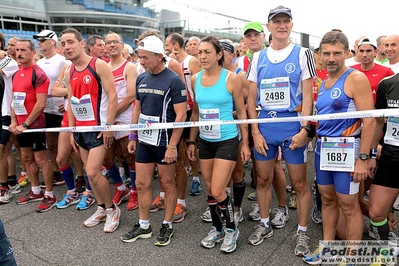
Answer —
337 154
149 136
275 93
210 132
18 103
49 104
82 108
392 134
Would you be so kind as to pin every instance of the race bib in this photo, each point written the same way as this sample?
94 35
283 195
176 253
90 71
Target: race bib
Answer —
82 108
49 104
275 93
18 103
337 154
392 134
149 136
210 132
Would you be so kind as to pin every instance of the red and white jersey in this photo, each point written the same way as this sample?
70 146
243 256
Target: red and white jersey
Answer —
187 78
89 100
121 90
9 67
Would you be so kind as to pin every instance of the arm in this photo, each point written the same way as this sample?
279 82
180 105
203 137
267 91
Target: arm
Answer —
171 151
194 66
193 130
300 139
58 89
132 145
259 141
71 117
36 112
234 85
359 89
175 67
107 80
130 76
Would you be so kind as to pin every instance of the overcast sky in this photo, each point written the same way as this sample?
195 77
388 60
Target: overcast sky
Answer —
355 18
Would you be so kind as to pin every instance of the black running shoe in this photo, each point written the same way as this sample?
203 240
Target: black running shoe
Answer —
165 234
136 233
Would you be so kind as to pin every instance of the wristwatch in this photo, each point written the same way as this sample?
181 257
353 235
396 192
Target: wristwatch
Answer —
364 156
190 142
24 125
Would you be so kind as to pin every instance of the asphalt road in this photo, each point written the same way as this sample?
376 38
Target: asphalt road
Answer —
58 237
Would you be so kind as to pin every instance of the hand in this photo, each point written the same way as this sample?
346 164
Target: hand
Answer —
61 108
299 140
372 166
12 127
108 138
260 144
392 221
191 152
170 155
245 153
19 129
361 171
132 146
74 145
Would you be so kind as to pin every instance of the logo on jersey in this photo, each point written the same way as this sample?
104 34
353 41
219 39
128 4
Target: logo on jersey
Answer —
335 93
290 68
273 114
86 79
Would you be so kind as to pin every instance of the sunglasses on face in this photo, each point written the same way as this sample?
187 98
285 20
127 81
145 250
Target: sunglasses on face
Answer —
42 39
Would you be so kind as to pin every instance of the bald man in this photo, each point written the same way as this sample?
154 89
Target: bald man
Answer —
391 46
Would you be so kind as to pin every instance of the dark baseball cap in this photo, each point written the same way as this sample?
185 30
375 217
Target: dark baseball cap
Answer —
279 10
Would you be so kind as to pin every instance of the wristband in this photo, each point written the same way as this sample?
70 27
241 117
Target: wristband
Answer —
373 153
133 136
108 124
190 142
171 147
307 128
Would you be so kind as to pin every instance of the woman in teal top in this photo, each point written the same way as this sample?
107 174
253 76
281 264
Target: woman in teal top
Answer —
215 89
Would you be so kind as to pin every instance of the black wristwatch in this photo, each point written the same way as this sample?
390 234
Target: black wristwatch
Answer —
190 142
364 156
24 125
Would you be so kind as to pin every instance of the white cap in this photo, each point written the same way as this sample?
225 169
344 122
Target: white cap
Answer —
129 48
366 40
47 34
152 44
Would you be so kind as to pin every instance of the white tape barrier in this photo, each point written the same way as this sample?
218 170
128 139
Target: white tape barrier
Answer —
313 118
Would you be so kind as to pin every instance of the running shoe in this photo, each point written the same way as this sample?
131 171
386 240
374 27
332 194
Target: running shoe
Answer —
5 195
261 233
392 236
195 188
157 204
238 217
230 240
46 204
80 184
302 244
180 212
23 180
120 196
292 200
86 201
68 200
280 217
288 188
189 170
30 197
254 215
15 189
133 202
396 204
212 238
252 196
56 182
314 258
165 234
98 217
112 219
316 215
206 216
136 233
